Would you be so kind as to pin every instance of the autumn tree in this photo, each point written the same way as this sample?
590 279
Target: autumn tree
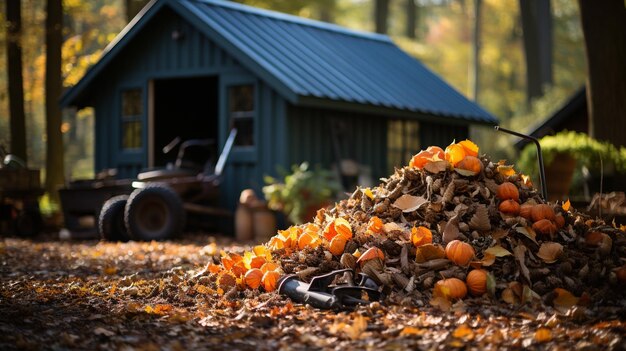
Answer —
411 19
54 140
15 80
604 28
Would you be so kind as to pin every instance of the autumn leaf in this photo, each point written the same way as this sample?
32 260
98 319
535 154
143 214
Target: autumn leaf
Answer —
409 203
488 259
550 252
465 172
436 166
412 331
368 193
520 256
543 335
110 270
421 236
566 206
451 230
506 170
353 330
564 300
498 251
392 227
480 219
429 252
527 232
463 332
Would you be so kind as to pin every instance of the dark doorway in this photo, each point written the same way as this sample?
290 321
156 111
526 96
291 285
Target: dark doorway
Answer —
185 108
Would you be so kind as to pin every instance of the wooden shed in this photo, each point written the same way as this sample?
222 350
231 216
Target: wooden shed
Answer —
296 89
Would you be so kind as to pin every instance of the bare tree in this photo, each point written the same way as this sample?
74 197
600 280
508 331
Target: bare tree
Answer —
15 79
411 18
537 27
54 140
604 27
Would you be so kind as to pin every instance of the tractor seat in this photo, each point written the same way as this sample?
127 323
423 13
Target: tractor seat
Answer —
160 174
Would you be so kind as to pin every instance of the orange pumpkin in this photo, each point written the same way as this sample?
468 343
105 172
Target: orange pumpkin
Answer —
459 252
452 288
594 238
508 191
542 211
524 210
270 280
253 278
559 220
337 245
477 282
544 226
509 207
470 163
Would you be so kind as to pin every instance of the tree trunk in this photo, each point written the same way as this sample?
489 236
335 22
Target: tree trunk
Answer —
537 27
17 118
411 19
381 13
604 28
326 10
54 142
474 72
133 7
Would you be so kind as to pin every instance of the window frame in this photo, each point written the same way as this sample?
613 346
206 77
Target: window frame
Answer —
138 118
246 154
400 155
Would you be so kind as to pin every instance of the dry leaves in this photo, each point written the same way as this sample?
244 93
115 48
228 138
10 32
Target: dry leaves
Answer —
409 203
550 252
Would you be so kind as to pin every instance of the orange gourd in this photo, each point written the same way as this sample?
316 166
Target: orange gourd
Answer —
477 282
253 278
594 238
509 207
337 245
508 191
544 226
270 280
559 220
452 288
470 163
459 252
542 211
524 211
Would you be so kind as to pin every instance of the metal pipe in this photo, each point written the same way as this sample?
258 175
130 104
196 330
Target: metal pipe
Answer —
542 173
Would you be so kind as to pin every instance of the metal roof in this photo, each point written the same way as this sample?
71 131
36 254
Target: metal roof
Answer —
303 58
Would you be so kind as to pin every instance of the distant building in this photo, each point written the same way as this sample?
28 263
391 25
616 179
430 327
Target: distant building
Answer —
296 89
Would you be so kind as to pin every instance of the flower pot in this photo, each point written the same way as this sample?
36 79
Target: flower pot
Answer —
559 174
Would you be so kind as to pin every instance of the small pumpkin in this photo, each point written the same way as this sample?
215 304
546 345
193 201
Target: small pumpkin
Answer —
337 245
470 163
270 280
509 207
542 211
452 288
508 191
545 227
524 210
253 278
559 220
459 252
477 282
594 238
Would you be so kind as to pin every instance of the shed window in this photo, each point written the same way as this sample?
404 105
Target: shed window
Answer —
241 109
132 110
402 142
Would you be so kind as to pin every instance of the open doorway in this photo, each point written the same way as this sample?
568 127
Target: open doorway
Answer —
186 108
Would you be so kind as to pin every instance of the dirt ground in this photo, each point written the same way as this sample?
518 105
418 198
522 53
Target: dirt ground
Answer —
151 296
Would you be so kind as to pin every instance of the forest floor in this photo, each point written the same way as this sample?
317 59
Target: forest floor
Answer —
150 296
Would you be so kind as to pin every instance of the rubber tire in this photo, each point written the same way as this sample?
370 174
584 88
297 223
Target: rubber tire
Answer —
28 223
154 213
111 224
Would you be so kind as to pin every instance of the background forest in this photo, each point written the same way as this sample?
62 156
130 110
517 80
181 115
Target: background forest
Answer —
477 46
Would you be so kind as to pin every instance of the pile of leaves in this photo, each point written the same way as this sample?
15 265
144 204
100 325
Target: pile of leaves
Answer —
449 227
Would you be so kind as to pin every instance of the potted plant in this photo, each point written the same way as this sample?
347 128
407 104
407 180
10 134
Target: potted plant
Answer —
565 154
302 192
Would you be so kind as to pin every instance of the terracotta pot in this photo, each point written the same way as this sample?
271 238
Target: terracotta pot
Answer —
559 174
264 226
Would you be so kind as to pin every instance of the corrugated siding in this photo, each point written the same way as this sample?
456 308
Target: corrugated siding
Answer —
242 172
441 134
310 138
326 61
153 55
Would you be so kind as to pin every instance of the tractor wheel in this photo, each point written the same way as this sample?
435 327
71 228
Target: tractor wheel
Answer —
28 223
111 219
154 213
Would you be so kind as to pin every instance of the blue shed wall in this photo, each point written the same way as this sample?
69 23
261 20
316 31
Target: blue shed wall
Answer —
155 54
